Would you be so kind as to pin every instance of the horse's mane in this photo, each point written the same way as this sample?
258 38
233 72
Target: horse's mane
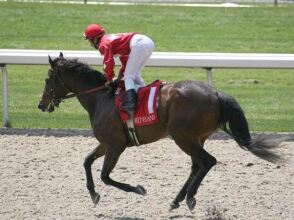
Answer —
84 71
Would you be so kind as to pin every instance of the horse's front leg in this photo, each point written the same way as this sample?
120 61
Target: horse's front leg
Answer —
110 160
96 153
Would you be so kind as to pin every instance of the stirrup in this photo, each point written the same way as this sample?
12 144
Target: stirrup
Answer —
131 130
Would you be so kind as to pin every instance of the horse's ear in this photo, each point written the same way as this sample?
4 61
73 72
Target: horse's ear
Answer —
51 62
61 55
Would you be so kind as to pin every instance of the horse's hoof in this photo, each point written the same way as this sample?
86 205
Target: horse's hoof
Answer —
95 198
140 190
191 202
174 205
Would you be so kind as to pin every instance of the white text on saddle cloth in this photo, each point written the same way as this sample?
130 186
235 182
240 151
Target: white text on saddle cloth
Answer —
145 119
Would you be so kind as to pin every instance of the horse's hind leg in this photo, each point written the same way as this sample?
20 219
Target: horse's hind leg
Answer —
205 162
201 164
183 192
96 153
110 160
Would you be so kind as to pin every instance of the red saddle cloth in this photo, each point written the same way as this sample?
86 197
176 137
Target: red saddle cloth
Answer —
145 111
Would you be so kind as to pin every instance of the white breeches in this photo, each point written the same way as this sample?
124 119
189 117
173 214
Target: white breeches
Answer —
141 49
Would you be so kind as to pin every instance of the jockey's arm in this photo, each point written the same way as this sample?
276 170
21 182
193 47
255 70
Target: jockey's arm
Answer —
123 60
108 62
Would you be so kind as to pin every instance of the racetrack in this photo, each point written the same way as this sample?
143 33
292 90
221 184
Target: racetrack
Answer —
42 177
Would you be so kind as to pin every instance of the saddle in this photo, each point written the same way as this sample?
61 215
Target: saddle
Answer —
145 111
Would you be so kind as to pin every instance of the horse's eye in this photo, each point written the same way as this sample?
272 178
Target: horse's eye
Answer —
49 79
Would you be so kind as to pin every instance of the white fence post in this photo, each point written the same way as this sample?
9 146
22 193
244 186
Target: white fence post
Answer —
5 95
209 76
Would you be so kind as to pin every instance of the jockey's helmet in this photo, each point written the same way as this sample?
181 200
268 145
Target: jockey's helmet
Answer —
93 31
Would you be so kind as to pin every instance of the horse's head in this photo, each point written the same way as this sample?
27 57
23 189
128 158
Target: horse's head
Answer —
54 89
68 76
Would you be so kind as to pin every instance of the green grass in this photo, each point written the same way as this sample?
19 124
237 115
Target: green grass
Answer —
268 104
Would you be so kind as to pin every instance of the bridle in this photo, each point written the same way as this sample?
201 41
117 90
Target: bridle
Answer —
56 100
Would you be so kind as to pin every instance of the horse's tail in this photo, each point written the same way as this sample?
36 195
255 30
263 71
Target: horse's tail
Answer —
233 116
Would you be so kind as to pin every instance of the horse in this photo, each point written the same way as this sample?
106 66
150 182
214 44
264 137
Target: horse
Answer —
189 112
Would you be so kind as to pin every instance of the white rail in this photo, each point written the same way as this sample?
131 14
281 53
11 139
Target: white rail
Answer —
207 61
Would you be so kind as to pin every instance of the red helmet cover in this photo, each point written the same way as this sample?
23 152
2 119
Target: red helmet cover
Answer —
93 30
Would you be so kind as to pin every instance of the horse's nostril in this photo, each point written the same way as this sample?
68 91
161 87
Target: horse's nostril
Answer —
40 106
51 108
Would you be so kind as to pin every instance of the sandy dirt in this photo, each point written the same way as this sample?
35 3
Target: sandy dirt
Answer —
42 177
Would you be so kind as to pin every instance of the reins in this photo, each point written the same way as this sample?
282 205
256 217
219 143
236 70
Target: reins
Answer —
96 89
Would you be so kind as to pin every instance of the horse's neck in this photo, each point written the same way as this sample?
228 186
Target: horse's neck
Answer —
92 102
88 101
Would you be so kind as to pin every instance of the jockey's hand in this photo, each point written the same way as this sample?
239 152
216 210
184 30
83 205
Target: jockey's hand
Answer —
119 78
117 81
110 87
108 83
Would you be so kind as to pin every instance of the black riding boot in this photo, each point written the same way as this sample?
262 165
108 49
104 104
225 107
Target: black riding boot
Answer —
129 102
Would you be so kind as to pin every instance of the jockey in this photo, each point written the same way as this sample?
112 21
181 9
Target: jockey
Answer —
133 50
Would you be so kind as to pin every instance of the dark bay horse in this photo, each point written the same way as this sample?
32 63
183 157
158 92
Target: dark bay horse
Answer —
189 112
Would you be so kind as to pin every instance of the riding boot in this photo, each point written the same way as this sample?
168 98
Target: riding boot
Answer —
129 101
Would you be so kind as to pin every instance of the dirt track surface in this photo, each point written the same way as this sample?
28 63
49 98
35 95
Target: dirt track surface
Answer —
42 177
